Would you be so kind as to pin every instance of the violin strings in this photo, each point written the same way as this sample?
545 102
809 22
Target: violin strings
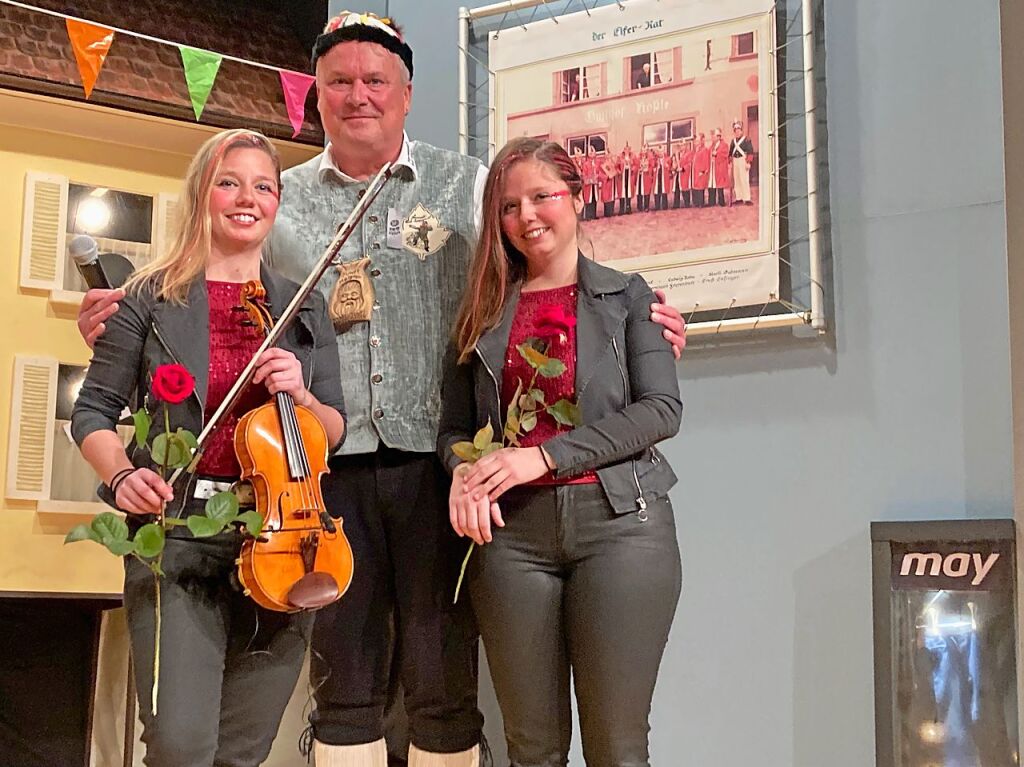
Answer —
298 459
303 471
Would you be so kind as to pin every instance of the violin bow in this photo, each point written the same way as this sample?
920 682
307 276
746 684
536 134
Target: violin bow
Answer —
291 311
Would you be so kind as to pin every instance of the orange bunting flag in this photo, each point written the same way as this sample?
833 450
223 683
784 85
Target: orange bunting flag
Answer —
91 43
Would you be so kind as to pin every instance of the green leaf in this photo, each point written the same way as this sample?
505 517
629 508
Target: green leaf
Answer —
466 451
168 450
512 424
80 533
519 390
142 424
204 527
222 507
121 548
180 447
188 439
513 408
552 368
536 343
149 540
252 521
529 421
490 449
537 395
534 358
484 436
109 528
566 413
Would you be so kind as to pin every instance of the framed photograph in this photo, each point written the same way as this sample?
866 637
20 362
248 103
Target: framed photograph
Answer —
668 110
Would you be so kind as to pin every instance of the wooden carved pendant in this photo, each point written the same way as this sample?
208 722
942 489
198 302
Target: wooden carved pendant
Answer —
352 298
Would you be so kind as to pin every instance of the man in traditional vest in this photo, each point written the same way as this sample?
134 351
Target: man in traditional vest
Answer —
742 153
386 481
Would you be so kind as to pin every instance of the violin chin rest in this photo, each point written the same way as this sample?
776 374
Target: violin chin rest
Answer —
313 590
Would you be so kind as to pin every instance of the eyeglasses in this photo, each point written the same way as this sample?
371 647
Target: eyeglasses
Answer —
538 200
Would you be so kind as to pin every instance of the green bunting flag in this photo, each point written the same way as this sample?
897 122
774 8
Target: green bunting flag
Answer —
200 72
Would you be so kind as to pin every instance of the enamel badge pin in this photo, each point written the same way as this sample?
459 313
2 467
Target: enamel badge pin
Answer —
422 233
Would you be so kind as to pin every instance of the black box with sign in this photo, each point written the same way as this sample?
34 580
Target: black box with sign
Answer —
945 643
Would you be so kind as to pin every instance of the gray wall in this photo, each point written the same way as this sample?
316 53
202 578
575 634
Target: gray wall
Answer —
788 453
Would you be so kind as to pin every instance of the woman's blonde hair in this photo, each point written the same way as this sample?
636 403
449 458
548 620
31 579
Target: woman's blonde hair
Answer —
170 273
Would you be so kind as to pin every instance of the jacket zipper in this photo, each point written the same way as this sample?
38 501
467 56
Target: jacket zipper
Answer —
641 504
497 391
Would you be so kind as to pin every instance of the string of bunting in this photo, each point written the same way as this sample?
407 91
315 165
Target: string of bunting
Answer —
91 43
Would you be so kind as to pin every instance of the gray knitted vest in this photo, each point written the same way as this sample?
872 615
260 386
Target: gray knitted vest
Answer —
391 366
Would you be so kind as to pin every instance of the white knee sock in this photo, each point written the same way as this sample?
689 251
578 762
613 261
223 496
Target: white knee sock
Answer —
420 758
361 755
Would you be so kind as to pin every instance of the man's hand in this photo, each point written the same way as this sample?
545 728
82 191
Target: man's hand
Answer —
673 322
97 307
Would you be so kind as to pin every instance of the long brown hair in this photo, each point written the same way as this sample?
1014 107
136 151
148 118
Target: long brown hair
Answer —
171 272
497 263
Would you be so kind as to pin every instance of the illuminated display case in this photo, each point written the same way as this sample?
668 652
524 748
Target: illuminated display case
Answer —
945 643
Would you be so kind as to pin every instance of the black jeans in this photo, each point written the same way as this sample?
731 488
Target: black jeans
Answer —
569 584
227 666
395 512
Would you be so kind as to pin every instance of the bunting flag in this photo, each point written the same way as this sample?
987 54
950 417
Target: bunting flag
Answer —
200 72
91 44
296 87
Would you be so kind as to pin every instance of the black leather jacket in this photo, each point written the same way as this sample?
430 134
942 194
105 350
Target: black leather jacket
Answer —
626 387
146 332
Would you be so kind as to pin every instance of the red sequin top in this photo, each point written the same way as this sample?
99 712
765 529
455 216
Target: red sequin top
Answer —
232 345
524 325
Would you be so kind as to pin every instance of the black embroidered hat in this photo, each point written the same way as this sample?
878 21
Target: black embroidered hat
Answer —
365 27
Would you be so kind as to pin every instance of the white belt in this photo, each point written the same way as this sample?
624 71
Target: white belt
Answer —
207 488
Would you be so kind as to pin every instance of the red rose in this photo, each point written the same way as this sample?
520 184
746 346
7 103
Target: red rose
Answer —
172 383
554 322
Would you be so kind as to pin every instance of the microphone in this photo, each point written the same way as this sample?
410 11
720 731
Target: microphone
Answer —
99 270
85 254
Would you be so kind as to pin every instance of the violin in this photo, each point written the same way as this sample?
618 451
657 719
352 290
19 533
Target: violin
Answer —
302 559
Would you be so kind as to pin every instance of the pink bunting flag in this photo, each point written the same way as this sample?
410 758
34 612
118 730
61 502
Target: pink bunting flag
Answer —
296 87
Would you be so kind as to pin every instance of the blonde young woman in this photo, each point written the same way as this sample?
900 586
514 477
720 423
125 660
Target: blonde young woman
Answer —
228 667
578 568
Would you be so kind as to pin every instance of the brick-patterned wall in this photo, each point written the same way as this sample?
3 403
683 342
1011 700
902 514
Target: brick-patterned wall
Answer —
36 55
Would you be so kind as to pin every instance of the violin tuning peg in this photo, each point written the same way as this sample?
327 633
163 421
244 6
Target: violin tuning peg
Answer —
247 324
239 309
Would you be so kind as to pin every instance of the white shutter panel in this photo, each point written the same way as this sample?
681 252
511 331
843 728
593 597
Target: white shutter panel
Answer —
30 442
44 231
165 218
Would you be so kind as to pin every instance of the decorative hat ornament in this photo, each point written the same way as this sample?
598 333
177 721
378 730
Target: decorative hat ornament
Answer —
363 27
